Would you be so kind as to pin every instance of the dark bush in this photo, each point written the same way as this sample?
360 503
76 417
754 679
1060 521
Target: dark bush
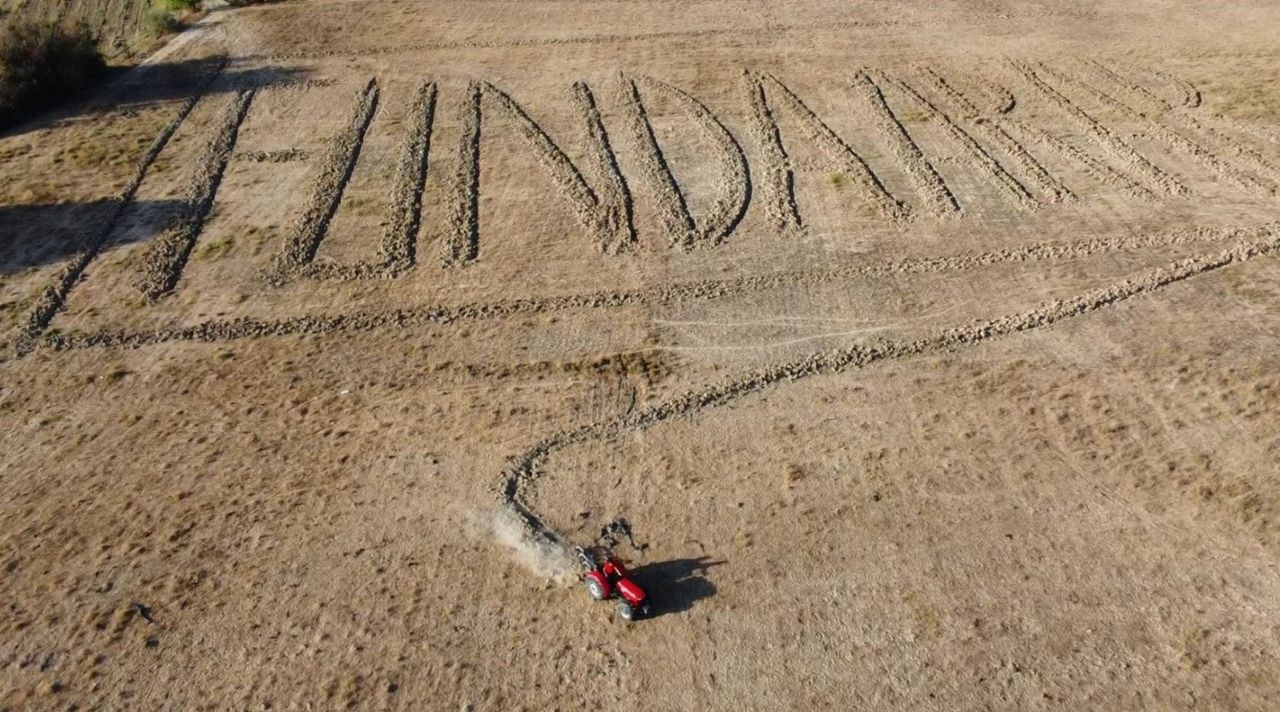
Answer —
179 5
42 64
159 21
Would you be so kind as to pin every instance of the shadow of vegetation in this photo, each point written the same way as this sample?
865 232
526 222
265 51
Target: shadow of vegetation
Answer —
35 235
167 81
134 88
675 585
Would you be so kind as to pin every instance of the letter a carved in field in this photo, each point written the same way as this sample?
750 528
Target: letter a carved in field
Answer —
766 94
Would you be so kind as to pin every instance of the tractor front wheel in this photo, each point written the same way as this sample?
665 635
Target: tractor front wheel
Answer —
595 589
626 611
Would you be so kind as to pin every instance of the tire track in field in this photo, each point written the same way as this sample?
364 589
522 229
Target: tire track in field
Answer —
167 256
977 157
1152 176
939 200
54 295
330 183
992 129
216 331
525 469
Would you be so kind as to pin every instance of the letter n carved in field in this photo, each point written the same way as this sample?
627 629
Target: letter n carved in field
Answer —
604 211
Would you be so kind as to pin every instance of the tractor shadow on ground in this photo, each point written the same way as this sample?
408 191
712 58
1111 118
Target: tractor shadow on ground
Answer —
676 585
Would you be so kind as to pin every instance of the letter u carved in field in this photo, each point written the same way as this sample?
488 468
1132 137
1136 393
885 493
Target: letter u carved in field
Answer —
399 241
604 211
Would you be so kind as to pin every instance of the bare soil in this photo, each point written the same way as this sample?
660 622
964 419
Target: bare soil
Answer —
929 353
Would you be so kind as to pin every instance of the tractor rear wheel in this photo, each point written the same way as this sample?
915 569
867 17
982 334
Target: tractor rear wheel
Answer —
626 611
595 589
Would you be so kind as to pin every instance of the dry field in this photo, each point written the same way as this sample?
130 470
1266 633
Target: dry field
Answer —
929 351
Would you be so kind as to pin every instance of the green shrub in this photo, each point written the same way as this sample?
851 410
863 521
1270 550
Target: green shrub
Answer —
159 21
43 63
178 6
165 16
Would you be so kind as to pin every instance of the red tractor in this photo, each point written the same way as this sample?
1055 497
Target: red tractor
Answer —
606 577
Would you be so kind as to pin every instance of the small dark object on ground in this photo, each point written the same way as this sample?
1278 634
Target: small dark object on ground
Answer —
144 611
615 532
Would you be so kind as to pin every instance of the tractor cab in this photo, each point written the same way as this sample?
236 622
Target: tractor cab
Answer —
613 569
606 577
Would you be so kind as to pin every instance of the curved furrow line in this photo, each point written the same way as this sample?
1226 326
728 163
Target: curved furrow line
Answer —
1002 100
730 205
249 328
525 469
1189 94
